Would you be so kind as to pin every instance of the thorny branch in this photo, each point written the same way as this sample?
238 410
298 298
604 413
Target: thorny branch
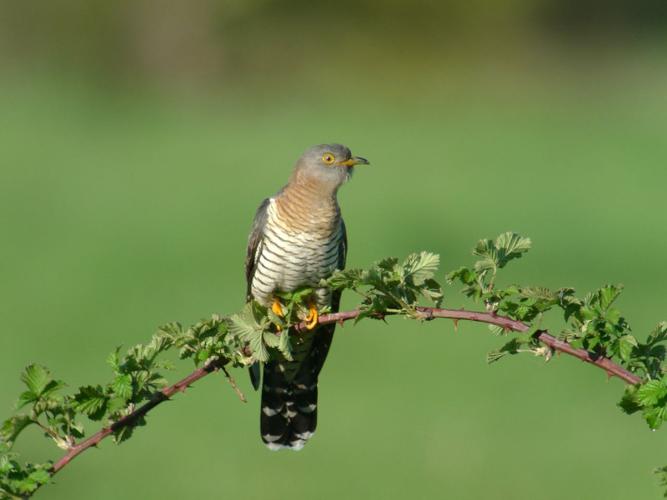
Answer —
425 313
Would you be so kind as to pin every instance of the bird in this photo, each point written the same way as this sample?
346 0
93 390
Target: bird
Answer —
298 238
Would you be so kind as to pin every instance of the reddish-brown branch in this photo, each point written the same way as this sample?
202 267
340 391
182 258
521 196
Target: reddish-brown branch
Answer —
606 364
132 418
425 313
429 313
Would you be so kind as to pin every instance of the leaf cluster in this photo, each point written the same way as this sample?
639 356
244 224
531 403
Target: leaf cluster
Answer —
137 376
258 334
391 286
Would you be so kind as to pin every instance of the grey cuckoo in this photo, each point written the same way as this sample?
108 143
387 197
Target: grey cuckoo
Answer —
298 238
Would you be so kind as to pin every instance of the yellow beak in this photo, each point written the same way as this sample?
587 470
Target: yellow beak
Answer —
355 160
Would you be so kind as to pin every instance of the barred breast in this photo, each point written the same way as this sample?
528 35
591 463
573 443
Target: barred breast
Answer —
296 250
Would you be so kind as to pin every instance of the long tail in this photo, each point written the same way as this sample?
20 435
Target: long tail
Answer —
288 416
289 408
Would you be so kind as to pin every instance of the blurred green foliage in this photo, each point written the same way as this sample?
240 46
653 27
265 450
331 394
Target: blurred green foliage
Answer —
126 197
216 41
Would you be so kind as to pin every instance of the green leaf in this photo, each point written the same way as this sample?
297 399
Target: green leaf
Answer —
420 267
511 246
659 333
463 274
628 402
36 378
510 347
122 386
496 330
489 253
92 401
113 360
655 417
496 254
608 294
538 293
651 392
26 398
626 345
12 427
245 327
431 290
40 476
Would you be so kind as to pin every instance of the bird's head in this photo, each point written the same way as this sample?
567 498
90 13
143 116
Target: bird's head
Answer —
328 164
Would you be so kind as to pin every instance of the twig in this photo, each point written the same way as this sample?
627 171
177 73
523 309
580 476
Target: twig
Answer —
131 419
426 313
232 382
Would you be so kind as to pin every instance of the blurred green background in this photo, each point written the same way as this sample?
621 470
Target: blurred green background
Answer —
137 139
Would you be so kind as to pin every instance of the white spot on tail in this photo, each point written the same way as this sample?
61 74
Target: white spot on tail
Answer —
270 412
274 446
270 438
304 436
297 445
308 408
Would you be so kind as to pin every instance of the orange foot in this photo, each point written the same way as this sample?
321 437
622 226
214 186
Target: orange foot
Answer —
312 318
277 309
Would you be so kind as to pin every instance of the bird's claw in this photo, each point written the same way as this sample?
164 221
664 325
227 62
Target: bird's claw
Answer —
277 309
312 318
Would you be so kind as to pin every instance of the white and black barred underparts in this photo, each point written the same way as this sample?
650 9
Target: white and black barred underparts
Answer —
287 259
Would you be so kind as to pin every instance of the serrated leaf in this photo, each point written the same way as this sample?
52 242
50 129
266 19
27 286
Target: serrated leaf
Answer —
496 330
431 290
493 356
123 434
26 398
496 254
113 360
92 401
420 267
12 427
486 249
538 293
464 274
608 294
655 417
626 344
36 378
511 246
40 476
659 333
388 264
350 278
122 386
628 402
651 392
246 328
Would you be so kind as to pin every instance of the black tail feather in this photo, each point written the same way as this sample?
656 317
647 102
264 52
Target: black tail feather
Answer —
288 416
289 409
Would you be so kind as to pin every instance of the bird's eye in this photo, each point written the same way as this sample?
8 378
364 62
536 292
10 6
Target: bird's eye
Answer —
328 158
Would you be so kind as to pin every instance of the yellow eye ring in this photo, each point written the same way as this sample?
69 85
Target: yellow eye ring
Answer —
328 158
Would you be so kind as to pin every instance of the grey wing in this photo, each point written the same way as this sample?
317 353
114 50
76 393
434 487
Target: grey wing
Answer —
254 243
342 248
